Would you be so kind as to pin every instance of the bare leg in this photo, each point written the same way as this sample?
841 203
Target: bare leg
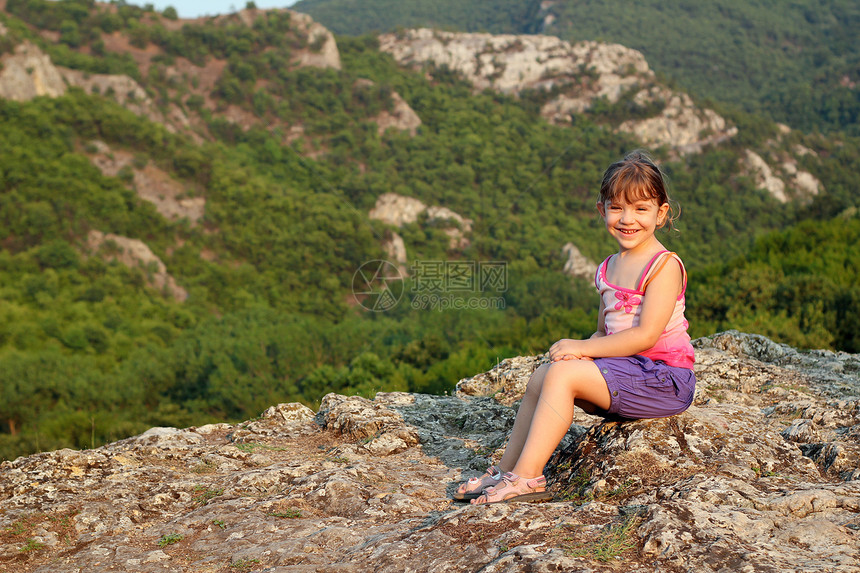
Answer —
524 419
563 383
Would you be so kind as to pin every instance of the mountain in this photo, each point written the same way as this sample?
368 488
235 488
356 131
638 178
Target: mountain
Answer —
194 213
796 63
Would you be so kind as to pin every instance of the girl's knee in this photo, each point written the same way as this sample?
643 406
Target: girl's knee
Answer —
535 382
568 371
582 378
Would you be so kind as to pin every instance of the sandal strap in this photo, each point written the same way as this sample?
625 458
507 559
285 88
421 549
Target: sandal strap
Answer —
511 479
537 482
493 476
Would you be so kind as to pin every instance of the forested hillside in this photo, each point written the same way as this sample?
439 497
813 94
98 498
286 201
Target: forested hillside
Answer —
796 62
283 161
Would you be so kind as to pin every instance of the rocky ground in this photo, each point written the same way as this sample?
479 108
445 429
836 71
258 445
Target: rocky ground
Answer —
761 474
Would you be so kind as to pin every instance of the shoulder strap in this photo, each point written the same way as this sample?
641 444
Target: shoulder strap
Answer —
601 268
644 278
653 271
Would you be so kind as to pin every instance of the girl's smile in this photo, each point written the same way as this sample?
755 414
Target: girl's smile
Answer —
632 224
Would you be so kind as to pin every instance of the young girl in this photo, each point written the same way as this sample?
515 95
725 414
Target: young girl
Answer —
639 362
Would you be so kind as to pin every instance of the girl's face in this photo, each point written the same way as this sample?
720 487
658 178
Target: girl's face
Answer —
632 224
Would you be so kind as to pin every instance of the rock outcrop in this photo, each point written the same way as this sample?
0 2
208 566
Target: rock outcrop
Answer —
399 210
761 474
135 253
150 183
322 52
576 264
28 73
401 116
582 74
776 169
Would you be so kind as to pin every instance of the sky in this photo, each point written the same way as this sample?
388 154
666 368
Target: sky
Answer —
198 8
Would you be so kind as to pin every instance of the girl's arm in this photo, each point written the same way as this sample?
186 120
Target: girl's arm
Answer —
663 292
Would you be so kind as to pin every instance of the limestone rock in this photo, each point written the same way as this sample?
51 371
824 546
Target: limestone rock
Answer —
401 117
681 125
513 63
759 475
398 210
27 73
764 176
322 51
125 91
135 253
505 382
150 183
379 429
784 179
395 249
577 265
581 73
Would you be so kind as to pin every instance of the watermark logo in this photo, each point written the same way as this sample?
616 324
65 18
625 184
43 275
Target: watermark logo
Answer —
459 285
459 276
377 285
436 285
457 302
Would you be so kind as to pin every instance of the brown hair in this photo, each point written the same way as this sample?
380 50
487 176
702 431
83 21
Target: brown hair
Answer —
634 178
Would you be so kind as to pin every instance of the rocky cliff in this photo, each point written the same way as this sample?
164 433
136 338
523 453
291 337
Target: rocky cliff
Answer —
578 74
398 210
761 474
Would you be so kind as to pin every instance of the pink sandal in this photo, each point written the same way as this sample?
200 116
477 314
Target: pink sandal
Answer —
476 486
515 488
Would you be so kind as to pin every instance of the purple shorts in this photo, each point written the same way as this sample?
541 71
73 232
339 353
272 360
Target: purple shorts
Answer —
641 388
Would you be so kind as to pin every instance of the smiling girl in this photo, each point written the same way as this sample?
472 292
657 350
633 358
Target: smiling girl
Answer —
639 362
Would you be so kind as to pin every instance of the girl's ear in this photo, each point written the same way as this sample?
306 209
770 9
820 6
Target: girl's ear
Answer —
662 213
601 208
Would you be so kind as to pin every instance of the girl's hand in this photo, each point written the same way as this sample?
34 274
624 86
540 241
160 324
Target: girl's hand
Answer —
567 349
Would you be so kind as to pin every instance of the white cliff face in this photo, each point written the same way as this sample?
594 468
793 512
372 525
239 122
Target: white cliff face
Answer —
577 265
323 52
764 177
784 180
401 117
398 210
28 73
680 124
136 253
150 183
395 249
126 92
512 63
584 72
803 181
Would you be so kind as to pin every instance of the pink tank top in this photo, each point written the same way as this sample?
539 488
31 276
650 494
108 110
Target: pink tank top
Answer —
622 308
